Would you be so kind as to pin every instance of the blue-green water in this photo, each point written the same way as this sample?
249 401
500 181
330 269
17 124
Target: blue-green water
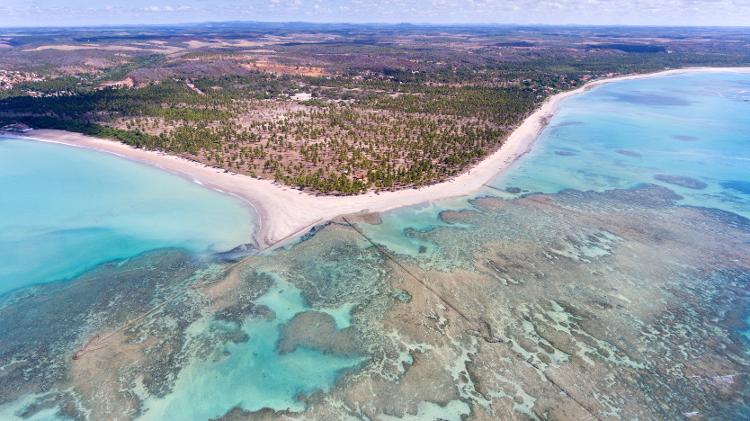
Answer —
689 133
65 210
254 375
693 130
694 125
570 284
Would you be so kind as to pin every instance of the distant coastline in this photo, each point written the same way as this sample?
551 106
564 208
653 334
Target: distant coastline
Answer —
283 212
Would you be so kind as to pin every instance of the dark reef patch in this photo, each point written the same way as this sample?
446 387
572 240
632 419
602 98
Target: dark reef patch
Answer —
370 218
238 312
644 195
687 182
602 285
650 99
457 216
341 273
316 330
685 138
631 154
236 254
724 217
41 331
566 153
568 123
264 414
314 230
254 285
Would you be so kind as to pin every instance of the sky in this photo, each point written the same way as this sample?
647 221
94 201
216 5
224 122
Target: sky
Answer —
598 12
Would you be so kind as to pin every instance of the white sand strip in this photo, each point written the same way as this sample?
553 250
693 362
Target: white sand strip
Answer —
284 212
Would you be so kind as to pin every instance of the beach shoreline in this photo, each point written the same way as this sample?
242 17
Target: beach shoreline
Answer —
283 212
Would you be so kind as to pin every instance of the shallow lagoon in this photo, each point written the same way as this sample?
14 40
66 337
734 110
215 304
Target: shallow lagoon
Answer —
66 210
494 305
689 133
254 375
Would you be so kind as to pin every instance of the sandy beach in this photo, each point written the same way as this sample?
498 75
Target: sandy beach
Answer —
284 212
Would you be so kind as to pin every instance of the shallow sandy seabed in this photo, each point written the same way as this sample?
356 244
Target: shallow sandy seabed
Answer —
620 304
576 305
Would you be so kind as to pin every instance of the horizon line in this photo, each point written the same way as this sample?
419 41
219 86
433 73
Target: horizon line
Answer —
405 23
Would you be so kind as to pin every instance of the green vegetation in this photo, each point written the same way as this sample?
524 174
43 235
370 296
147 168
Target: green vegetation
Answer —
376 111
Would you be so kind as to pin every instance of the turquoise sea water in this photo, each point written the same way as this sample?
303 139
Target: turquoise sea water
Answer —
254 375
689 133
585 288
65 210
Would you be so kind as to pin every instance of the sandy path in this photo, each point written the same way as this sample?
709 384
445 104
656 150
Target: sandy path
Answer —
283 212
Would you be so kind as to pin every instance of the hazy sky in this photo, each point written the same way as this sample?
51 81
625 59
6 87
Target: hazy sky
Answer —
634 12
